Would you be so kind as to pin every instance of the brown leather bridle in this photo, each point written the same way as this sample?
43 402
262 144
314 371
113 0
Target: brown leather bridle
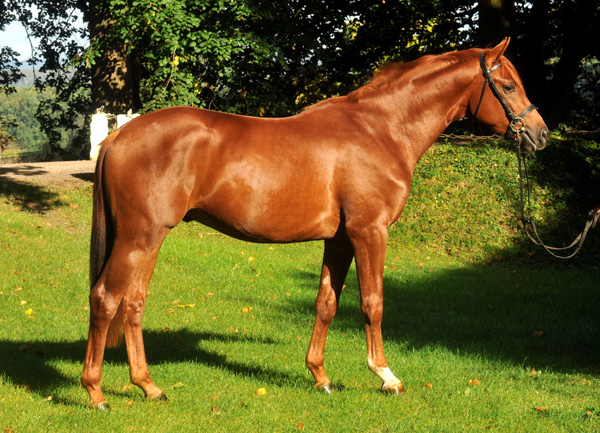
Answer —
513 130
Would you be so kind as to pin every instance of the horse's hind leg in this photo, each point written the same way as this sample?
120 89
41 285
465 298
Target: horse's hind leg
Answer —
336 262
122 270
133 306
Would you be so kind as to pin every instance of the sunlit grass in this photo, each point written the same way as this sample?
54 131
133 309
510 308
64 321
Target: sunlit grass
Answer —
504 347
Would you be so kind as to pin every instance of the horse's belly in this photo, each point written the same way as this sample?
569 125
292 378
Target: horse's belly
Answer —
268 226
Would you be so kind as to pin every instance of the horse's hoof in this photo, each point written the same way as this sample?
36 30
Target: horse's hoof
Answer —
162 397
101 407
326 389
394 389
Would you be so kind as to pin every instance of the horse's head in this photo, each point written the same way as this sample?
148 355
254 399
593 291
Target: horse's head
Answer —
505 107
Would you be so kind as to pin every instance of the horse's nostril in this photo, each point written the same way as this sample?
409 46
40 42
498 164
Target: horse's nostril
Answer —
544 135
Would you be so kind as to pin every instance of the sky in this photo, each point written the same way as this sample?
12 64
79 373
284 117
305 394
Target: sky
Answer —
15 37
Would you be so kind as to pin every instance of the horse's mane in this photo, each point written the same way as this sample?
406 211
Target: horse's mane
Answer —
398 73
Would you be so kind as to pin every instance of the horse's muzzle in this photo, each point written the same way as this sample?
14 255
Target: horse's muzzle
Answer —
532 139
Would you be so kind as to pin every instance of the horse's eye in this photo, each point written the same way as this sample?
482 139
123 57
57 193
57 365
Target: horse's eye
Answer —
509 88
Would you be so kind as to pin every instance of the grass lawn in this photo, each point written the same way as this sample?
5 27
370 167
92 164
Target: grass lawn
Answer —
481 343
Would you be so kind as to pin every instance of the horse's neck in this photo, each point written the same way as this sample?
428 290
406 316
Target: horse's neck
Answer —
423 107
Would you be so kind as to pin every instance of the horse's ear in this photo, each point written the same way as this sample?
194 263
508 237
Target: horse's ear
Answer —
493 56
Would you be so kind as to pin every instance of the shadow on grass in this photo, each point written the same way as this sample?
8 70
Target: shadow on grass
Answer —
29 365
537 318
570 170
28 197
522 316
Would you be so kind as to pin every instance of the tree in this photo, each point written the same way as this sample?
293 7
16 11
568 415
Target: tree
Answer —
496 21
558 35
115 75
273 58
9 62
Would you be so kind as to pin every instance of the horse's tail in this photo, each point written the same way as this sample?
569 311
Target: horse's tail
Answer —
102 239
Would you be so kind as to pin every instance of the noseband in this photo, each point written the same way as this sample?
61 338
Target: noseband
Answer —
512 132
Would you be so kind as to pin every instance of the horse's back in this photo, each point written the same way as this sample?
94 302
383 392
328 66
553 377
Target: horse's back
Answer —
253 178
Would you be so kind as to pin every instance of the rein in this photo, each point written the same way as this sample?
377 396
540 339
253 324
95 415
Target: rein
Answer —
593 216
513 133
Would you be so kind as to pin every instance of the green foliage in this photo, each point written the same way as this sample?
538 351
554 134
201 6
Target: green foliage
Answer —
273 58
64 114
233 56
22 106
6 138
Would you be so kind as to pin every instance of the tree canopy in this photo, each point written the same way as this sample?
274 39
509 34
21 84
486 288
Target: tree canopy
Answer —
273 58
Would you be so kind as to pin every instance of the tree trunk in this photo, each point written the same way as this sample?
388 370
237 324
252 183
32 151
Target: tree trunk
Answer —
531 62
115 77
496 19
578 20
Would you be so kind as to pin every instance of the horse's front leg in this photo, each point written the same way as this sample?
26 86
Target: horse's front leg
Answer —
370 245
336 262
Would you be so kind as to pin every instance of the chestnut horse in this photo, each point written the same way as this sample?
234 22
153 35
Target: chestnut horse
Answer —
340 171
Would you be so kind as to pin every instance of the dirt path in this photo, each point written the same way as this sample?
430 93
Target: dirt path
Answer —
63 174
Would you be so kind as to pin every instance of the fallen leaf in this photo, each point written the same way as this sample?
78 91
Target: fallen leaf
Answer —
540 409
474 382
127 387
187 306
23 303
261 391
300 426
29 311
428 385
538 333
251 259
49 398
171 311
246 310
129 403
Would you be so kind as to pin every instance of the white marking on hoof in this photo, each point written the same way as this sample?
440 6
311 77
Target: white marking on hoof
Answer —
324 388
390 382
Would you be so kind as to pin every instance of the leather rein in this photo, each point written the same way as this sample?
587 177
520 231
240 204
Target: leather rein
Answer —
513 133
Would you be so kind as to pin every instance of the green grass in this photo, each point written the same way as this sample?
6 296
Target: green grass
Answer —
485 332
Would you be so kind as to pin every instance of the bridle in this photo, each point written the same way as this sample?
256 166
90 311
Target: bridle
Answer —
513 131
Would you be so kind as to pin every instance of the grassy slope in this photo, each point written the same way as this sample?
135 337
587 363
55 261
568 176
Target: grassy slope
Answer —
486 332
